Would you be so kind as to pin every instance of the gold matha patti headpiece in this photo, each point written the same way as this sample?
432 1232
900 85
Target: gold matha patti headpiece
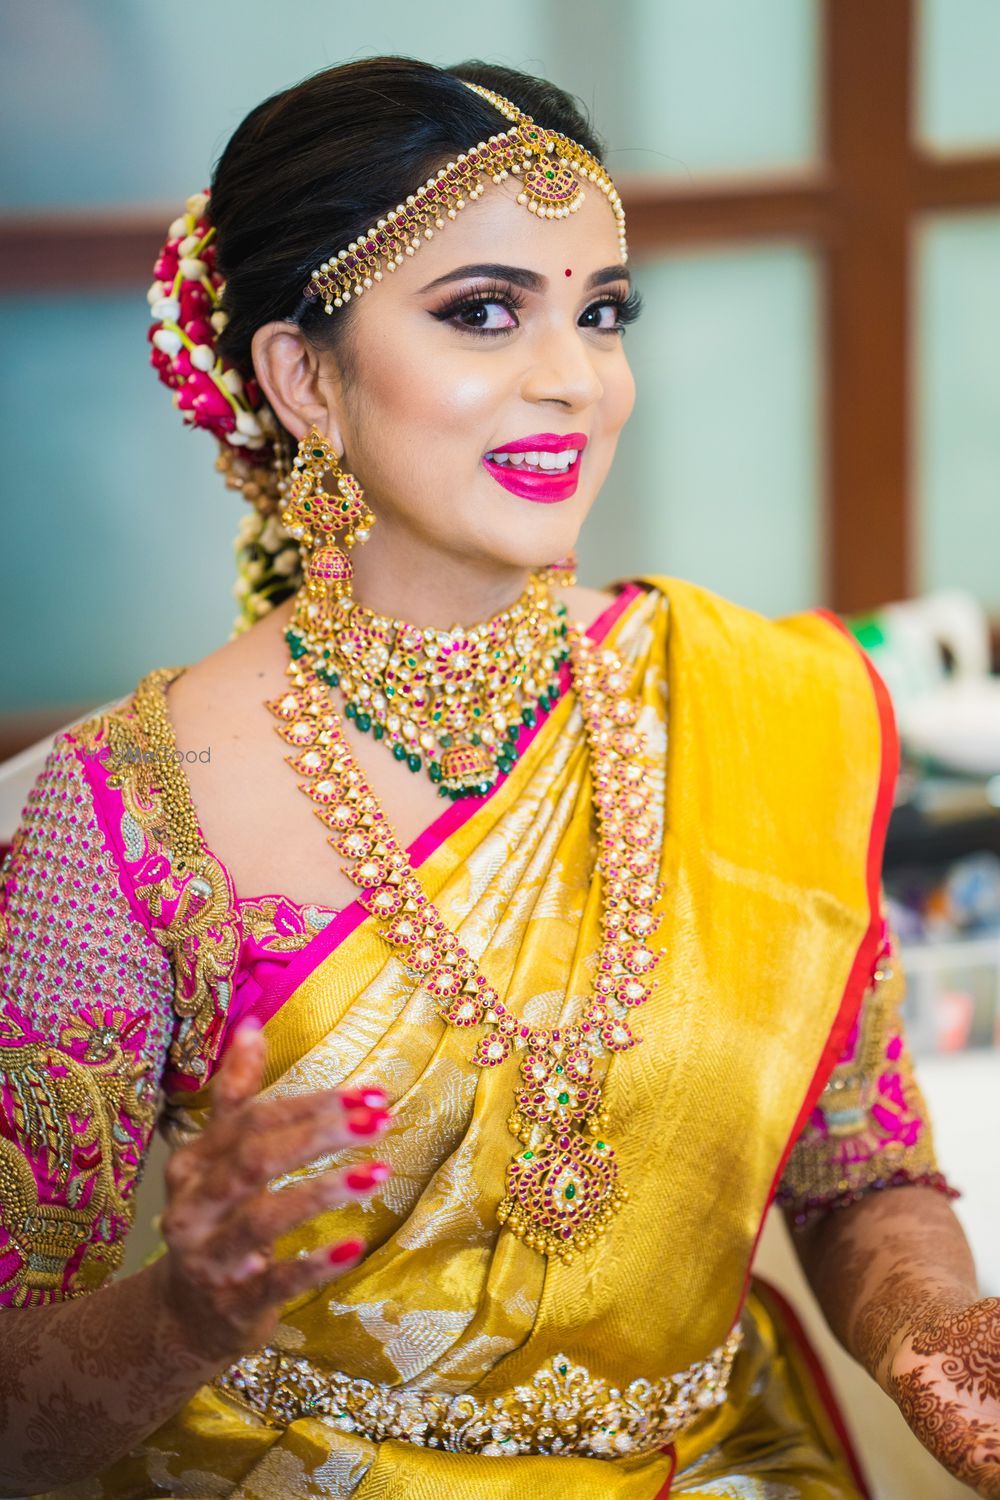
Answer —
551 169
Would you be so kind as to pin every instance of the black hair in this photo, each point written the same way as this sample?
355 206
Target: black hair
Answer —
317 164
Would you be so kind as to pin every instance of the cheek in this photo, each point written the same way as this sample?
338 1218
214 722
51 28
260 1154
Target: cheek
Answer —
619 397
434 397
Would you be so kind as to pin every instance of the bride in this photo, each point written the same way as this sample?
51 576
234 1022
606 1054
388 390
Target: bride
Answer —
491 950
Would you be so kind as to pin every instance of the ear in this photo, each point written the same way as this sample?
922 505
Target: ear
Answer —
301 384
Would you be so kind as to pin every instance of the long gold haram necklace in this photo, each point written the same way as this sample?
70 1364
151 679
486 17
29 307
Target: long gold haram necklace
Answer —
564 1187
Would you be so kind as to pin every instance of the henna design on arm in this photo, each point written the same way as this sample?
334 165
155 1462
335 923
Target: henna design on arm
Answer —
966 1445
896 1280
968 1343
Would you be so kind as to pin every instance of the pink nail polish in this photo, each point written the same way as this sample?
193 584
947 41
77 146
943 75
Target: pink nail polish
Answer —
367 1121
365 1098
363 1179
345 1251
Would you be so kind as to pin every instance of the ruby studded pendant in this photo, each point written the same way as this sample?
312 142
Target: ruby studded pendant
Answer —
563 1187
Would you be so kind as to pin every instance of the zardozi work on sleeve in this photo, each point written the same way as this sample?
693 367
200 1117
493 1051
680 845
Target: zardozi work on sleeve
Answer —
85 1023
870 1129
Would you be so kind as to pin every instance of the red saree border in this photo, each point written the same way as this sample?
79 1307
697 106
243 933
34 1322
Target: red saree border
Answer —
274 995
778 1304
663 1493
864 959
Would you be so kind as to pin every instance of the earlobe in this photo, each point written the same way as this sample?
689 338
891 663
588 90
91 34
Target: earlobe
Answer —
289 372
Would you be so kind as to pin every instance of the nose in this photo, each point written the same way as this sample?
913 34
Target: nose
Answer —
562 371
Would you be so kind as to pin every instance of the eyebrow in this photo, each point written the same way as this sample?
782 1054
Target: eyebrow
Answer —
531 281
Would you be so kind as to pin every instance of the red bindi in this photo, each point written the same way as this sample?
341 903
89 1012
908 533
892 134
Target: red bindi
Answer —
568 271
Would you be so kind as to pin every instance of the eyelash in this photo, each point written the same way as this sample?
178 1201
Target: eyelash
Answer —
513 300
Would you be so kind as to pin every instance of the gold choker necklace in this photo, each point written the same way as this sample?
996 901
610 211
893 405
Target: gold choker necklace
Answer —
451 701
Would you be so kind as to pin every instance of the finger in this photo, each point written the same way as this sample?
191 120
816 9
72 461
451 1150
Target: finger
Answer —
258 1156
258 1222
240 1073
288 1278
271 1114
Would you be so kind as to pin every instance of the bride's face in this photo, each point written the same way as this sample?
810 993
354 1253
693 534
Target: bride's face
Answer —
501 336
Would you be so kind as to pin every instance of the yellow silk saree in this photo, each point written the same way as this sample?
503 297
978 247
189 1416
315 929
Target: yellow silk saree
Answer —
454 1361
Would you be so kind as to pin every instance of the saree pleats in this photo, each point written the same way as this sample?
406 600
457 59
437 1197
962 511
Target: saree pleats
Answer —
771 761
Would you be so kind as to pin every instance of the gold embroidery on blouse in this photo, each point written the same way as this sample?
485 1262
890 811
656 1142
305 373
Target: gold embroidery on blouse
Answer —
875 1129
562 1409
258 917
850 1090
48 1086
203 935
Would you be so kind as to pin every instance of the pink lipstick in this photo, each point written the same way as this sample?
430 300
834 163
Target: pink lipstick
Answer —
518 467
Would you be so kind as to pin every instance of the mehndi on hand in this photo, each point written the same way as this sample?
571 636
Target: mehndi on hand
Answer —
944 1375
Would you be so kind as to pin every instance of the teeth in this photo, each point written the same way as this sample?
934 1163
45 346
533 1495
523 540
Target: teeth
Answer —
545 463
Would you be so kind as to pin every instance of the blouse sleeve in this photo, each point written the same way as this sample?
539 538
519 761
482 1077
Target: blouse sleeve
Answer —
870 1129
85 1023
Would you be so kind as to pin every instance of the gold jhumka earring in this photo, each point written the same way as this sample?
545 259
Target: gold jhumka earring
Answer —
315 515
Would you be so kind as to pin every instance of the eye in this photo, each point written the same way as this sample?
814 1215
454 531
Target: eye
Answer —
489 310
487 317
612 314
602 315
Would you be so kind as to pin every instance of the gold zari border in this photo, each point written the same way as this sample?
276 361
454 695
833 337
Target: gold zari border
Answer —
563 1409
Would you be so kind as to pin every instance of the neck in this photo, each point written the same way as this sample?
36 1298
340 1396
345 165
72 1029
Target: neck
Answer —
416 582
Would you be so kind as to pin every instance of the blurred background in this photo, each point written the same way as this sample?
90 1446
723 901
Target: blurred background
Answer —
813 197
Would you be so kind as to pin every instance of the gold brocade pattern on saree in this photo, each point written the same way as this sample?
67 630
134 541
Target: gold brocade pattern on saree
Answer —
562 1409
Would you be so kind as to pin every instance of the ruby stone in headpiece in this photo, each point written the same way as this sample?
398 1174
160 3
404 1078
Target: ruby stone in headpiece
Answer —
550 166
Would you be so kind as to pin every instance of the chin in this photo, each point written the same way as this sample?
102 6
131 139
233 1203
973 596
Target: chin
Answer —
530 541
537 551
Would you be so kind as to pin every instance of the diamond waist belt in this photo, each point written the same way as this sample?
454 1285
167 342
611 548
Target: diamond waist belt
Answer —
562 1409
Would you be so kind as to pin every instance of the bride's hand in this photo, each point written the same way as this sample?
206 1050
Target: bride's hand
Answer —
944 1376
221 1219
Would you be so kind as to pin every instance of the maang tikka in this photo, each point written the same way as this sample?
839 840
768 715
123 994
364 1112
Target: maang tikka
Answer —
316 515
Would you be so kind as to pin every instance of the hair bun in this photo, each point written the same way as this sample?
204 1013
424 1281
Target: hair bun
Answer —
185 304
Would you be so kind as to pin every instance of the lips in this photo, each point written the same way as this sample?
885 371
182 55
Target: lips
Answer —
546 487
544 442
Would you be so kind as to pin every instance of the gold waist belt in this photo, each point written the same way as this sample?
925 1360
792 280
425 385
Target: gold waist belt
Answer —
562 1409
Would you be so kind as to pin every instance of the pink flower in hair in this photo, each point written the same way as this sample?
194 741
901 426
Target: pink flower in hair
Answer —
166 266
183 317
182 367
201 395
162 363
195 302
200 331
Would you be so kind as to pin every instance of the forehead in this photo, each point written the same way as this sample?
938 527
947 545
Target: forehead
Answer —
496 228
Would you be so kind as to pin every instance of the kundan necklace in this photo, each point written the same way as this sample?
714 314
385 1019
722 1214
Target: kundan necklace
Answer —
563 1187
453 701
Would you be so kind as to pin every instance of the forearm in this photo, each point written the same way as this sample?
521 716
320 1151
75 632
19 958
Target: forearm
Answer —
877 1266
83 1381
